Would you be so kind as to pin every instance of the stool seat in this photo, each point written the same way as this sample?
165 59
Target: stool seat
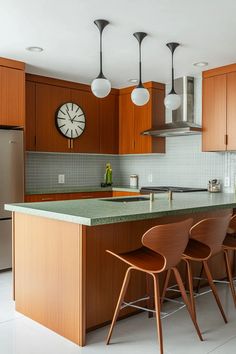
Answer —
230 242
143 258
196 251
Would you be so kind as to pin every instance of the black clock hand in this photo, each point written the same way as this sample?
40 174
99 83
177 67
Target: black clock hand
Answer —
69 116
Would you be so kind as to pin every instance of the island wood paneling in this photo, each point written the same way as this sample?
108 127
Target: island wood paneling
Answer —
65 280
49 274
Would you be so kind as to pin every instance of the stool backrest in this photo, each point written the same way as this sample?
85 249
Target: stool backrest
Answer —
211 232
169 240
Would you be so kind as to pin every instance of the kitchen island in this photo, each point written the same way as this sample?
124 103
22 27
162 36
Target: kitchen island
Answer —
64 279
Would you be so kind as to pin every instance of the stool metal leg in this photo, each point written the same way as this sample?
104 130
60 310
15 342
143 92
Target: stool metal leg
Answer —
119 302
213 288
230 277
158 311
185 298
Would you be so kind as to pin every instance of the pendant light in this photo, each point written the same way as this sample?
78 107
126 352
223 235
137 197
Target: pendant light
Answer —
140 95
101 87
172 100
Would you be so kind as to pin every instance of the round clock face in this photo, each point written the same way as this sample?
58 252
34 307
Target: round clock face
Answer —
70 120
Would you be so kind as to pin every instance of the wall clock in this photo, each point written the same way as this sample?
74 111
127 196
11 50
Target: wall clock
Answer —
70 120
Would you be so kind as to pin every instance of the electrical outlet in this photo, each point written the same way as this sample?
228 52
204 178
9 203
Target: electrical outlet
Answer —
150 178
61 179
227 182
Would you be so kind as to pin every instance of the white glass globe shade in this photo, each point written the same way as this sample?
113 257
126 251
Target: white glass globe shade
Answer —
172 101
101 87
140 96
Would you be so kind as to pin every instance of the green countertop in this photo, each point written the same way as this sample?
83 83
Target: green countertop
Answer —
100 211
76 189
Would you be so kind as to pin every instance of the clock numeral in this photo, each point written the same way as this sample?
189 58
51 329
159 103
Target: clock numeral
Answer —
66 131
79 127
62 126
72 106
61 118
76 132
62 112
71 133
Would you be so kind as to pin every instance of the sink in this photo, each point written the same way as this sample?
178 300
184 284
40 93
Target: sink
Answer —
126 200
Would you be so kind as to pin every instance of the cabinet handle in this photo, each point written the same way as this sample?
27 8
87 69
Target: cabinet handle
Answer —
45 199
226 139
71 144
68 143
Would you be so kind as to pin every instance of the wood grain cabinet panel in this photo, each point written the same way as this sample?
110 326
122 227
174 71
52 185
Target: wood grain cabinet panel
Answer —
219 109
133 120
214 113
126 124
65 196
109 124
48 100
12 93
231 111
89 141
30 121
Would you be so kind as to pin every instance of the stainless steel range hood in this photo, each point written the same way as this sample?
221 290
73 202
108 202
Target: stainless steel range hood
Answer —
182 118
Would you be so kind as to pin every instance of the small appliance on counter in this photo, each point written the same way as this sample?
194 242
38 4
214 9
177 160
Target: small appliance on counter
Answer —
214 186
133 181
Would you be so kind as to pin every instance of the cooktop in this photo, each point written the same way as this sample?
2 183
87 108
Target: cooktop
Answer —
156 189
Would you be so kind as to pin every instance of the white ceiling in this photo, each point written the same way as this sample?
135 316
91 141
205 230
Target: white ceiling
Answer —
64 28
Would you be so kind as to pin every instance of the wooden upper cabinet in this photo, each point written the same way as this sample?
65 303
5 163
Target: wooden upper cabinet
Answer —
89 140
12 94
133 120
219 109
126 124
231 111
48 100
214 113
109 124
30 121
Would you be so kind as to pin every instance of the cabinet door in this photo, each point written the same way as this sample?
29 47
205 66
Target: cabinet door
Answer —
48 99
12 93
142 121
214 113
30 122
109 124
231 111
126 124
88 141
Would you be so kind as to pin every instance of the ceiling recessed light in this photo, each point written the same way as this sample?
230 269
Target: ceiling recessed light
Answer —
133 81
35 49
201 64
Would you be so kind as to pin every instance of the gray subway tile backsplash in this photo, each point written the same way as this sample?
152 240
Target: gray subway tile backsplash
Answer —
184 164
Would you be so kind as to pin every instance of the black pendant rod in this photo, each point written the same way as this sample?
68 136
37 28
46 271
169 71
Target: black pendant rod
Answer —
101 24
140 36
172 46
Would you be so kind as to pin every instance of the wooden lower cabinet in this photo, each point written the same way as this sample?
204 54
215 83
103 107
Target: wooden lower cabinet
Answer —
120 193
65 196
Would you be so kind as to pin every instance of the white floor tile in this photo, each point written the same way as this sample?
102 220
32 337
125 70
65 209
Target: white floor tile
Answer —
20 335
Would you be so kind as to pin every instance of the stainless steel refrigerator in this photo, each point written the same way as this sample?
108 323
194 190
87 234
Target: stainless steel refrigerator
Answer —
11 187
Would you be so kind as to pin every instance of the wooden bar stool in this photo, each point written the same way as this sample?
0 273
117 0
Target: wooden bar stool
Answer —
162 249
229 245
206 239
